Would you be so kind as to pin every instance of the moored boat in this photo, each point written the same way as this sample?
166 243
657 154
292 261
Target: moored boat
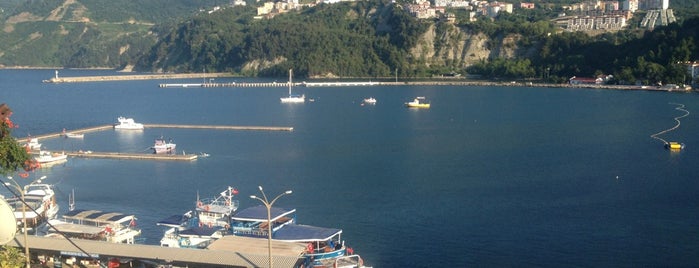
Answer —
674 146
33 144
96 225
370 100
163 147
293 98
210 221
127 123
75 135
324 246
418 102
47 157
41 206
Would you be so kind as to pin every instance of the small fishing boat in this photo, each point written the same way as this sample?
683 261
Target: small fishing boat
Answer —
418 102
370 100
163 147
75 135
72 135
127 123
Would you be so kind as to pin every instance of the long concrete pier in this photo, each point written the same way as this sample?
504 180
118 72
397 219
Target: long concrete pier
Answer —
103 78
219 127
133 156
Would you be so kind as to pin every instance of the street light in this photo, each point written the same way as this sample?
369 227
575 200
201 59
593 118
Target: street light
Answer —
24 217
269 218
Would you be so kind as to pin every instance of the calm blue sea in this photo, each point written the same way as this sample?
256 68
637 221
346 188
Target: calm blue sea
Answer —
489 176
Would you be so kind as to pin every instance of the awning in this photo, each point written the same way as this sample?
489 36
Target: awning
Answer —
304 233
259 213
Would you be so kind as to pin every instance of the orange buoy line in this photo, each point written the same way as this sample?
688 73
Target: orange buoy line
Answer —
673 145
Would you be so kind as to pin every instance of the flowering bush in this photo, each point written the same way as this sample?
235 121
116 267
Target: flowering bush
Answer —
13 156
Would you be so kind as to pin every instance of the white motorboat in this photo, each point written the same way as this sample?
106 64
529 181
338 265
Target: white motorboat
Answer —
75 135
370 100
163 147
47 157
127 123
292 98
34 144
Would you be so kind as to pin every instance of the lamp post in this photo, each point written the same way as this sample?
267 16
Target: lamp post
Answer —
24 218
269 218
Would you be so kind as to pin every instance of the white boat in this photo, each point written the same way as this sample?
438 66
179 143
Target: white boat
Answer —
47 157
370 100
75 135
163 147
41 206
293 98
72 135
95 225
127 123
34 144
199 229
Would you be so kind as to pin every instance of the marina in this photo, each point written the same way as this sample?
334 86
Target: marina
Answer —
383 174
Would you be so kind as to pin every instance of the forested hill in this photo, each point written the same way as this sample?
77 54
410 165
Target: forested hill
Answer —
356 39
86 33
375 38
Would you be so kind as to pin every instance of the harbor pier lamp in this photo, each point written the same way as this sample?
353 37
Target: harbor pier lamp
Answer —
269 218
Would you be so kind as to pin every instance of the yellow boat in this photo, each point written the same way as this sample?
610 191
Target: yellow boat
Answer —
674 145
418 102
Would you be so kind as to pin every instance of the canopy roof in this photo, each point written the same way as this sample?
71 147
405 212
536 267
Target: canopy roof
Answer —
304 233
97 216
259 213
199 231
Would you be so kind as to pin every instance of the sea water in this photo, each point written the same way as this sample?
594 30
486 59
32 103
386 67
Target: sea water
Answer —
488 176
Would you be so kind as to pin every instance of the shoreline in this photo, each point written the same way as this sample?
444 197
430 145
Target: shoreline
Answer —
352 82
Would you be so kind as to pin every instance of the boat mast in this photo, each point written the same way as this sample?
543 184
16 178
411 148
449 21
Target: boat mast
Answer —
71 201
290 71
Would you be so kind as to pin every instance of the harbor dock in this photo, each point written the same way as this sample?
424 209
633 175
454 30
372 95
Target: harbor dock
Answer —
144 156
133 156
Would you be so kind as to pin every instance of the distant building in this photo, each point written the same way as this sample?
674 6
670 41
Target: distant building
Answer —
524 5
585 81
693 71
630 5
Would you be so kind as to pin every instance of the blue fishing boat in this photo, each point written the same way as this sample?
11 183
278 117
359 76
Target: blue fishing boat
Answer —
199 228
324 246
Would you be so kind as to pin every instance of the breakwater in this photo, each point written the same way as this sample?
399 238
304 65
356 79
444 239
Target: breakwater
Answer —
103 78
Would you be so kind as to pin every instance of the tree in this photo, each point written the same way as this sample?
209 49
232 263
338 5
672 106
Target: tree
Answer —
11 257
